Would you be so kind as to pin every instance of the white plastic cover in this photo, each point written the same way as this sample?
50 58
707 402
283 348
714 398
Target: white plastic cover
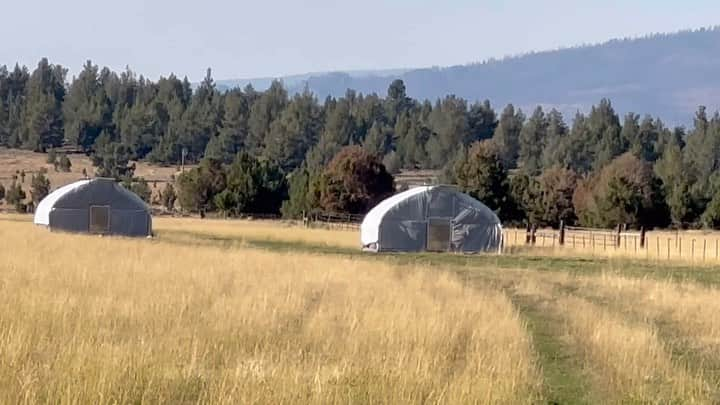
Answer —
42 211
370 227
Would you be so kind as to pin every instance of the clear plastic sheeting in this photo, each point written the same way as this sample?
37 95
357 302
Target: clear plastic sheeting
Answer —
431 218
42 212
69 209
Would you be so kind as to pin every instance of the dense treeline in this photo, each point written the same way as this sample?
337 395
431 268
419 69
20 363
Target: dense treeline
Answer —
267 151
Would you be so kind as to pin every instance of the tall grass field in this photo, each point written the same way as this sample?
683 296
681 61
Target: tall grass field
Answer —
263 312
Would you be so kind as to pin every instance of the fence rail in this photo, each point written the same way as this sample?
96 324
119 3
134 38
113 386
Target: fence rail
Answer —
690 246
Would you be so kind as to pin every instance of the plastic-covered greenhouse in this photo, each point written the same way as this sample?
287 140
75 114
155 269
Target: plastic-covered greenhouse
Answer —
97 206
431 218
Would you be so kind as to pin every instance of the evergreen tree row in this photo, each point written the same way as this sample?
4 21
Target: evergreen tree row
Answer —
537 158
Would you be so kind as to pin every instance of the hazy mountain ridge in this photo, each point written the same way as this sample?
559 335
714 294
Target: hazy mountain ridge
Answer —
667 75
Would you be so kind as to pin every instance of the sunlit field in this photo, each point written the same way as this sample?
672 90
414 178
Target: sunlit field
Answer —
217 311
105 320
266 231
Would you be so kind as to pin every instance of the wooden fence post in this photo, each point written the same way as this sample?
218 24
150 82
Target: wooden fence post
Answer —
642 237
528 234
617 237
533 239
562 233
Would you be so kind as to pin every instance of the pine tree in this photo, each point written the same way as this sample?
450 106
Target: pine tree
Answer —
397 101
201 120
604 132
630 132
556 139
450 127
86 109
376 142
234 129
702 152
645 145
482 122
13 92
112 159
507 135
263 112
294 132
533 137
482 174
43 119
338 131
305 187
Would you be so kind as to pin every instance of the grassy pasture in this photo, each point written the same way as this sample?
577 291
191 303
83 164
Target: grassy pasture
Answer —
104 320
263 312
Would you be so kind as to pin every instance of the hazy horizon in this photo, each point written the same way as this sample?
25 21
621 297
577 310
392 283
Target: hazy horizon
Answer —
241 40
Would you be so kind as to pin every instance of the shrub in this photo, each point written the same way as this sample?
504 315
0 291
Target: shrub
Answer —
64 163
39 187
626 191
168 197
15 196
140 187
354 182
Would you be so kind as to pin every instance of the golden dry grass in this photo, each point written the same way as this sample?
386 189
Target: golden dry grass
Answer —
272 231
688 309
187 317
628 357
614 321
105 320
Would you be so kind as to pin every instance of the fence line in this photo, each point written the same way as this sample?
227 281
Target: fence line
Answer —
690 246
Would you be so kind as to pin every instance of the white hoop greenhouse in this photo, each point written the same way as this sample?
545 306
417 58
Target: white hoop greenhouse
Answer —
431 218
99 206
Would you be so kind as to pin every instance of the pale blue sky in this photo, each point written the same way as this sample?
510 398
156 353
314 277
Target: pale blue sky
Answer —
241 39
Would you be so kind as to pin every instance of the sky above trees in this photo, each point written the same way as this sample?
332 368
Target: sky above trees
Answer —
277 37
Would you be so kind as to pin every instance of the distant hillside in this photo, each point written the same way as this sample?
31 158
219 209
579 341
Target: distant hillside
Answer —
667 75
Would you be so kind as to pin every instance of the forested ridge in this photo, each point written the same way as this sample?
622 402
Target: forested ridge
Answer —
667 74
268 151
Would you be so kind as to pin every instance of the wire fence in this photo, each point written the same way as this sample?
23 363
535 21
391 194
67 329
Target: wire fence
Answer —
688 246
